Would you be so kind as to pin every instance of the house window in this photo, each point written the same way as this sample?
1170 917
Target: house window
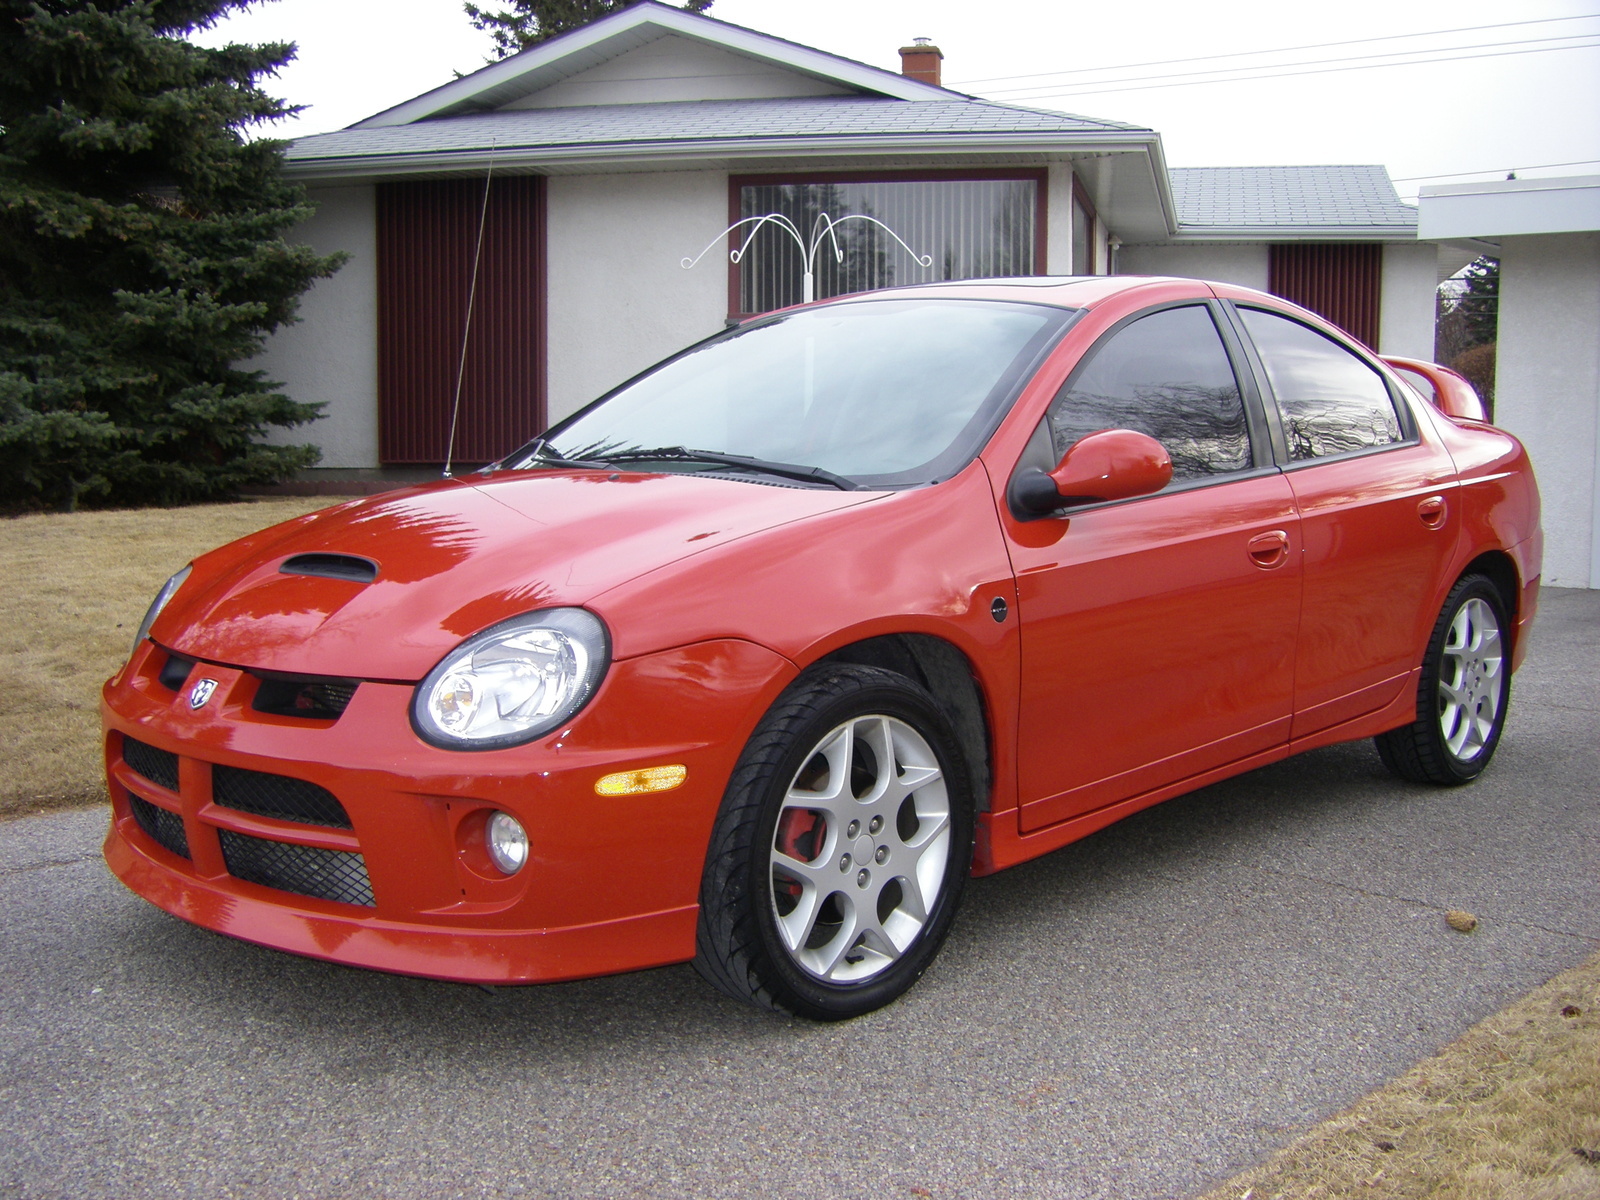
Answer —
973 226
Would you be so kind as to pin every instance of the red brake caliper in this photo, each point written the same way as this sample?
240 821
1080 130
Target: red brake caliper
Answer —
800 836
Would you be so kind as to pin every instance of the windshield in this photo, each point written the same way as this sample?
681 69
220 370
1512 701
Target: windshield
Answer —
879 393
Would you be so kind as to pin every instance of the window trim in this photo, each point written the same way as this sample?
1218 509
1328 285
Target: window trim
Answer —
1404 416
1038 176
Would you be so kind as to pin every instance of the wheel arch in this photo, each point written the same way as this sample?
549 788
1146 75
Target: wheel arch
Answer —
1501 570
946 673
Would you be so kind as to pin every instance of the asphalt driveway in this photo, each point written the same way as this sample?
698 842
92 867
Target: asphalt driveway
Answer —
1135 1016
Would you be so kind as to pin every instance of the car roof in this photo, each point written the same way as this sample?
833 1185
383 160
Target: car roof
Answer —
1065 291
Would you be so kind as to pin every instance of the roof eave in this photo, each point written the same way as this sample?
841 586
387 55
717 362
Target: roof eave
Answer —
1297 233
685 152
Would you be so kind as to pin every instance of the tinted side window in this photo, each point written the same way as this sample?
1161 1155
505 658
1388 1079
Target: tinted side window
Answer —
1331 402
1166 375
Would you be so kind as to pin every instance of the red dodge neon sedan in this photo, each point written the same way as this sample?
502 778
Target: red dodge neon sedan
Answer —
754 660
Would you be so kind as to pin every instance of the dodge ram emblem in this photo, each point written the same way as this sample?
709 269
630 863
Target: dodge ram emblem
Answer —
201 692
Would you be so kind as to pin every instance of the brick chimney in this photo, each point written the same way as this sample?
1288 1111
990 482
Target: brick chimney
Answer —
921 61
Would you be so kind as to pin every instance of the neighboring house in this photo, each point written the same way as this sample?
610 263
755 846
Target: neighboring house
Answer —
623 148
1546 234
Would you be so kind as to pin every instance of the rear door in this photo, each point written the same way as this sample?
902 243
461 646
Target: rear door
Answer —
1378 512
1157 633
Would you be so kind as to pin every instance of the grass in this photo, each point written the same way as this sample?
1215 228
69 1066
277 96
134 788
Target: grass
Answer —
73 588
1509 1111
1497 1115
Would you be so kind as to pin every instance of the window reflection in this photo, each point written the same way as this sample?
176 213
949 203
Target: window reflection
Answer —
1166 375
1330 401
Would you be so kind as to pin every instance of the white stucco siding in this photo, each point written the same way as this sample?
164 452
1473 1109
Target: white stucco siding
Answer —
1547 388
619 298
1058 220
1242 263
677 68
331 353
1408 306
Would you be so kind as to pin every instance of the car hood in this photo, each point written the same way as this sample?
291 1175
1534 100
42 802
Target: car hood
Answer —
453 558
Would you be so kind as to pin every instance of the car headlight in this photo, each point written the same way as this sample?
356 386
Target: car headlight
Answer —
166 593
514 681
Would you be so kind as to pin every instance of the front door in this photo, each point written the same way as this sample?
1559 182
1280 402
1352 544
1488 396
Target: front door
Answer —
1158 634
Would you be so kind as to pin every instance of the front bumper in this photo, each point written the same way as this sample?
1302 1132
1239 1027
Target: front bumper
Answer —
356 842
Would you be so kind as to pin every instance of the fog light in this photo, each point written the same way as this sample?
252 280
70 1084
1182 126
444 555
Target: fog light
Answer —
507 841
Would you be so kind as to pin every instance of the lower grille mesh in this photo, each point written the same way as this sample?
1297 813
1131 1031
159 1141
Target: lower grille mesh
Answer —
160 767
305 870
163 827
278 796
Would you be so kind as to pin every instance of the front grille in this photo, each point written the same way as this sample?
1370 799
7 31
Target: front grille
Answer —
163 827
160 767
175 672
314 699
339 875
277 796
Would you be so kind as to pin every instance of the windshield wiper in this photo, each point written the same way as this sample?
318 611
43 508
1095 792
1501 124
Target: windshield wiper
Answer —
683 454
540 452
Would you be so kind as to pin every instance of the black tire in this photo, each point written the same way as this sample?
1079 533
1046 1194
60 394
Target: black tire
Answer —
1464 693
854 935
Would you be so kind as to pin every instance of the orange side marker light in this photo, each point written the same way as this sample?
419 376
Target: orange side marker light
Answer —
647 779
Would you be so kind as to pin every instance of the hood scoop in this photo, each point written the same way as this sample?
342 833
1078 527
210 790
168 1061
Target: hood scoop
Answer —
331 566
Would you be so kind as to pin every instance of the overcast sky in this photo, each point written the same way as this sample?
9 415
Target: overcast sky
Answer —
1509 87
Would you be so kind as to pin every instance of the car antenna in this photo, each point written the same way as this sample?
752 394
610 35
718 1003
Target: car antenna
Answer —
466 324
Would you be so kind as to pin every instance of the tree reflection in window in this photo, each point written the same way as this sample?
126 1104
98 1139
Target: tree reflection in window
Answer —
1165 375
1329 400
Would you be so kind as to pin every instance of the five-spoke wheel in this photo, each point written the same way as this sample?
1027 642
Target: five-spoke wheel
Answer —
1465 690
839 854
860 849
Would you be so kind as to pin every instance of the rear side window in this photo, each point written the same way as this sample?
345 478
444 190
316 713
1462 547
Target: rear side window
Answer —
1166 375
1330 401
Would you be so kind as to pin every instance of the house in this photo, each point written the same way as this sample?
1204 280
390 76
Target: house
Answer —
1546 234
596 164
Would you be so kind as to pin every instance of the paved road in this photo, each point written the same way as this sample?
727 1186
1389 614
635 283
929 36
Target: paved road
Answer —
1136 1016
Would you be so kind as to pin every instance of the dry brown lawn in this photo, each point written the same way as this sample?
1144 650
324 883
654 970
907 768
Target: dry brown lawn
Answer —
1509 1111
73 588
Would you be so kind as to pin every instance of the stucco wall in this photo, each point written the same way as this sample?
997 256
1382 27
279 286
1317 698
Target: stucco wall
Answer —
1243 263
619 298
1547 388
1058 220
331 353
1406 314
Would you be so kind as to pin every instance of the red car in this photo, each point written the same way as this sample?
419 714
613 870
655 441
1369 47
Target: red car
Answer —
754 660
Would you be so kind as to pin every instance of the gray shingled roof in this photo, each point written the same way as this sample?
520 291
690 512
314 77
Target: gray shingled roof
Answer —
1278 197
731 121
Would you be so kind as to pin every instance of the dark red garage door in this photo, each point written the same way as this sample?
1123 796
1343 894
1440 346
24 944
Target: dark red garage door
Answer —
427 233
1342 281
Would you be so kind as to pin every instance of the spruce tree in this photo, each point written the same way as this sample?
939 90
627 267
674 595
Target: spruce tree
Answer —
142 256
529 22
1479 300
